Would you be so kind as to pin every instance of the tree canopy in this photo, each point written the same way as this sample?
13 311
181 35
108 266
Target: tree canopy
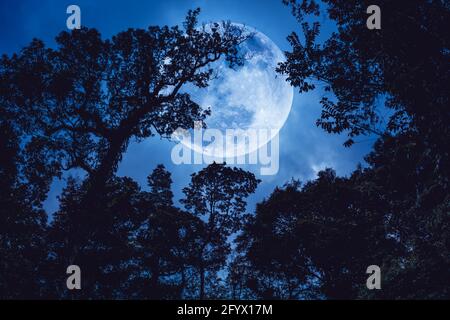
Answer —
80 104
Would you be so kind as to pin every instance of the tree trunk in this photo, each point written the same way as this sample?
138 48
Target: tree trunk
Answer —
89 218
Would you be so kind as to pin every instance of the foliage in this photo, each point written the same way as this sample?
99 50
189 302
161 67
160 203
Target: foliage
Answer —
80 104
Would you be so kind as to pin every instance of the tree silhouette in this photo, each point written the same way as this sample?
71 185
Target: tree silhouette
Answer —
22 222
88 98
80 104
106 255
164 242
330 229
399 201
217 194
404 61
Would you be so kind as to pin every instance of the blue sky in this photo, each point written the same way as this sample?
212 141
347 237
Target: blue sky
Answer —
304 148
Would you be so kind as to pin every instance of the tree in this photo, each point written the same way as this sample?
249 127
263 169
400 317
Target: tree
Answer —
401 68
275 272
330 230
160 183
106 257
404 62
217 195
87 99
164 242
417 214
25 179
22 223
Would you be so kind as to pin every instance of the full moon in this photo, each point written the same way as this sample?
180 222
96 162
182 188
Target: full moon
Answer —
252 97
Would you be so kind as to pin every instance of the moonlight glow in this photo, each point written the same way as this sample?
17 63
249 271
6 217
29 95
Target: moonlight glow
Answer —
248 97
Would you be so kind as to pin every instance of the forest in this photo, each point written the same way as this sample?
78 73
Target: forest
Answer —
80 104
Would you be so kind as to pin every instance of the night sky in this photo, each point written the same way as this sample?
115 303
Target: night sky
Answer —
304 148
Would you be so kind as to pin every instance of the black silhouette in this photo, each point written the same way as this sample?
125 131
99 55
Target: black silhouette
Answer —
80 104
